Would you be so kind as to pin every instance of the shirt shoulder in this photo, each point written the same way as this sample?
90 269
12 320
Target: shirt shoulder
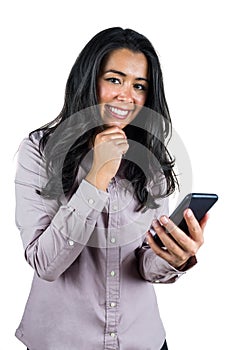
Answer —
29 158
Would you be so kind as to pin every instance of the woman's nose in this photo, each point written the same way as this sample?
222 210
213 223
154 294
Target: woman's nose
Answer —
125 94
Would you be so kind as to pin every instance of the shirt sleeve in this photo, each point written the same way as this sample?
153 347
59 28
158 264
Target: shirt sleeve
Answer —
154 269
53 235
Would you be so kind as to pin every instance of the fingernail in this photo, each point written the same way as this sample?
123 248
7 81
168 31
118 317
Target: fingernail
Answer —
189 213
156 223
164 220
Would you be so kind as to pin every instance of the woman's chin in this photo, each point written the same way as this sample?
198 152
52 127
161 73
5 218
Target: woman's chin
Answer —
119 124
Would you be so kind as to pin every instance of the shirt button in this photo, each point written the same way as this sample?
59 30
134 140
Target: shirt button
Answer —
113 334
91 201
115 207
112 273
70 242
113 304
113 240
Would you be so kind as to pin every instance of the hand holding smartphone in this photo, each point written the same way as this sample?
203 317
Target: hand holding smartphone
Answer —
199 203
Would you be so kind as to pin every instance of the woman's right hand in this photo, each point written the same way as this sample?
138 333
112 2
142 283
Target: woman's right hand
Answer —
109 146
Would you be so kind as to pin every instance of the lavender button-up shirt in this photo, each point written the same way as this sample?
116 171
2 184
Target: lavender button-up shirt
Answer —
92 287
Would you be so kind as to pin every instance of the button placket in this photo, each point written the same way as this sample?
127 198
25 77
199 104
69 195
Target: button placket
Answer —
113 240
113 270
113 273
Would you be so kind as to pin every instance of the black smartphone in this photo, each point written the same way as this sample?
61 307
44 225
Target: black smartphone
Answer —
199 203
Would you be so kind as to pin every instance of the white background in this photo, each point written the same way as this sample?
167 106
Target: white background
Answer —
40 41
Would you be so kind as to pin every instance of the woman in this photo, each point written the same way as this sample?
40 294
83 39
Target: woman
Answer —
89 185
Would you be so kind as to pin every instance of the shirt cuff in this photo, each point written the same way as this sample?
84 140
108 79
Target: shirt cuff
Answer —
189 263
167 273
88 200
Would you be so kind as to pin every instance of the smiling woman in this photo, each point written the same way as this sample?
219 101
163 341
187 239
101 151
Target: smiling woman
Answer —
87 236
122 86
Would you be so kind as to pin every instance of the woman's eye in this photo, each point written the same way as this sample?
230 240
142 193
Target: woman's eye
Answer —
113 80
140 87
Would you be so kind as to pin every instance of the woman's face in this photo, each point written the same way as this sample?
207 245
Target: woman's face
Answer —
122 86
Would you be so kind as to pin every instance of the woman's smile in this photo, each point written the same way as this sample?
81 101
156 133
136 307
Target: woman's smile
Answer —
117 112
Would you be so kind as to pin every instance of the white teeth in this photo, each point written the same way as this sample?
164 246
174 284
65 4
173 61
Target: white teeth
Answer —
118 111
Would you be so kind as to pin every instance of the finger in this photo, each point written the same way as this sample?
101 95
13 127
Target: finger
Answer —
180 237
160 231
116 147
156 248
173 246
194 227
111 148
204 220
110 137
113 130
174 259
123 148
119 141
122 144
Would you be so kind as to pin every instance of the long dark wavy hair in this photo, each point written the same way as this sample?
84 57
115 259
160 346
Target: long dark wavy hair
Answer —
63 156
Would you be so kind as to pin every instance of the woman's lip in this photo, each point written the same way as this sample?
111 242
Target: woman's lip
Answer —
116 112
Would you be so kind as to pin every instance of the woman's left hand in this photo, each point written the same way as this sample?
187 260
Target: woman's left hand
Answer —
180 247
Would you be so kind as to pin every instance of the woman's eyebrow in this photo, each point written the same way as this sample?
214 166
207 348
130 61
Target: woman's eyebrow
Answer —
124 75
